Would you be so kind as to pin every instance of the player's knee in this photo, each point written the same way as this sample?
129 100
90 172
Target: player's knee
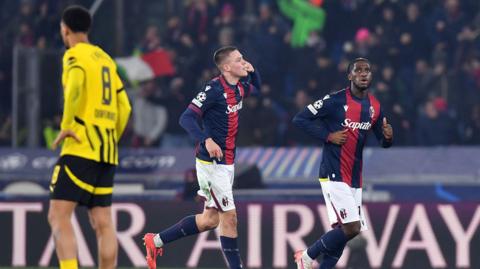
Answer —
52 218
101 223
352 229
212 222
230 220
55 219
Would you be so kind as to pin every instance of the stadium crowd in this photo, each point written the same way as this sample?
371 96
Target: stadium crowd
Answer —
425 54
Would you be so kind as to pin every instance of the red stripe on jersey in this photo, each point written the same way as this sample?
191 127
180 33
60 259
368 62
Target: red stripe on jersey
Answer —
348 150
374 109
232 121
195 109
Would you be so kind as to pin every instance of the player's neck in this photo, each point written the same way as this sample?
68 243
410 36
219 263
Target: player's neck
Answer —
358 93
78 38
230 79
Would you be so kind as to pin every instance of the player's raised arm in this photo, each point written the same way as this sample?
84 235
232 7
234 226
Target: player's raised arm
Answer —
383 131
253 82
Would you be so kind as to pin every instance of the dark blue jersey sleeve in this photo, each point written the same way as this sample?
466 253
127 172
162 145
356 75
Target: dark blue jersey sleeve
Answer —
305 119
378 131
252 83
204 100
189 121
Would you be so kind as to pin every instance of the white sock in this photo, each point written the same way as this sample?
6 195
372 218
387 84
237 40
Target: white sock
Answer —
158 241
306 257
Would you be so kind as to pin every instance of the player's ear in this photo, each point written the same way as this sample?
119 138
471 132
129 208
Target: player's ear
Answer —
349 76
226 67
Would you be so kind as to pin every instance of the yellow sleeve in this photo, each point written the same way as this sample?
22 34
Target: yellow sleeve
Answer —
72 93
124 109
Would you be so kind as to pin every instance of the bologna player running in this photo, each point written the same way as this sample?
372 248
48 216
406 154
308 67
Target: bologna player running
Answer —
217 105
346 117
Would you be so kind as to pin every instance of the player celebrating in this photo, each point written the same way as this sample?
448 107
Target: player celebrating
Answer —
217 105
96 111
346 116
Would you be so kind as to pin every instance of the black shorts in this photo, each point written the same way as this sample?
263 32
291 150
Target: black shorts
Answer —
81 180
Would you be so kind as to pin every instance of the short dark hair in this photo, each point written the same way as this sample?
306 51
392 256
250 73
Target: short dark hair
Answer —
356 60
77 18
222 53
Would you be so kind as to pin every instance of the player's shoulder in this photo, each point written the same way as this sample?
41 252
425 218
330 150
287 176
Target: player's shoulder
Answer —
339 94
75 55
332 96
102 54
71 57
213 86
373 98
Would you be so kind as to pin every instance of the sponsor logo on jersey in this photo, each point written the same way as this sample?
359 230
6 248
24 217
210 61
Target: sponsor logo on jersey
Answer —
234 108
372 112
345 107
356 125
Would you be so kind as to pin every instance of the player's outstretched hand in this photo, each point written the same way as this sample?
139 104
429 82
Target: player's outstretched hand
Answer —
213 149
62 135
249 67
387 129
338 137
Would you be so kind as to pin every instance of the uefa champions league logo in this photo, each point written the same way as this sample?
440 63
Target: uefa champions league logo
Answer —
318 104
202 96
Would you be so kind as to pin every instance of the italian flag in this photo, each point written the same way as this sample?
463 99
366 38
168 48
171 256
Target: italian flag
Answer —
146 66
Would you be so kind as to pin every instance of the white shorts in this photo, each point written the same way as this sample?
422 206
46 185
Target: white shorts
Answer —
216 181
344 203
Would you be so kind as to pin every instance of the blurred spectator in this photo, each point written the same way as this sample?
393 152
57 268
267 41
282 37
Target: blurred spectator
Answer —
295 136
259 121
149 116
51 129
472 133
199 20
175 136
389 91
434 126
151 41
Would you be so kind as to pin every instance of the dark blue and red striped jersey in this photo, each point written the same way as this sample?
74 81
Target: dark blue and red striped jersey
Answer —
218 105
338 111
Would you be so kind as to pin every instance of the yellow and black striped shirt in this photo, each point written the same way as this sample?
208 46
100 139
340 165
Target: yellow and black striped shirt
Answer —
96 106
